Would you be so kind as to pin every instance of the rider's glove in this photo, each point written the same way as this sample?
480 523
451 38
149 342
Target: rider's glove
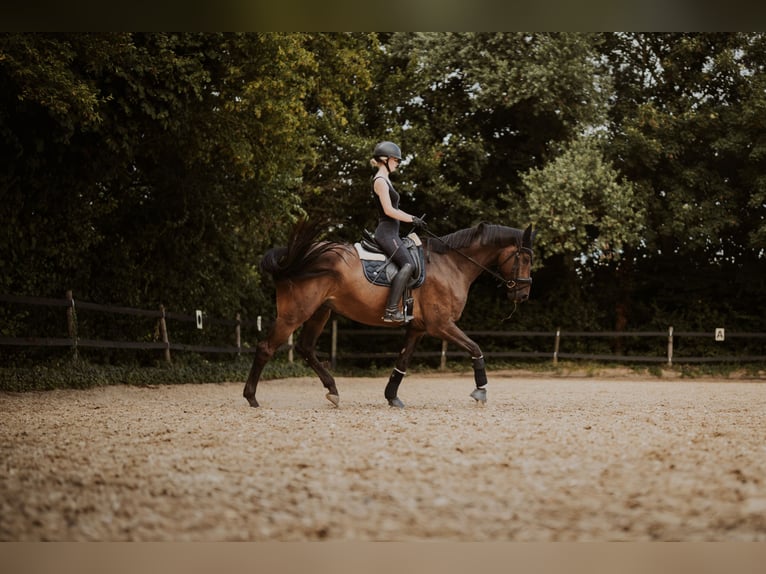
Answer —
419 223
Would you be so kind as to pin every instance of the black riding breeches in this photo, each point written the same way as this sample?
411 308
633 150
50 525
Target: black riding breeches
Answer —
387 236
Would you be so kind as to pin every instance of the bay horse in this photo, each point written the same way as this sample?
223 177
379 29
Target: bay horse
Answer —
314 278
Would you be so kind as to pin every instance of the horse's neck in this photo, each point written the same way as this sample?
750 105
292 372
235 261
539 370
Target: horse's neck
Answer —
477 258
486 255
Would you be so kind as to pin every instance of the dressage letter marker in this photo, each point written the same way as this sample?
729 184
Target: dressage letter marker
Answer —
719 334
199 319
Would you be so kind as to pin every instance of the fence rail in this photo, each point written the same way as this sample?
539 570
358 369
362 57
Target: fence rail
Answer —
165 345
76 342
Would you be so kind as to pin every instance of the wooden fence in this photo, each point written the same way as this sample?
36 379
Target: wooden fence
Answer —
166 345
668 337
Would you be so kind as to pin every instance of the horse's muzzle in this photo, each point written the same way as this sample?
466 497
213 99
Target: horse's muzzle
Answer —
518 289
518 296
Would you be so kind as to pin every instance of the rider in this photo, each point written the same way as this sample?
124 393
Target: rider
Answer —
386 159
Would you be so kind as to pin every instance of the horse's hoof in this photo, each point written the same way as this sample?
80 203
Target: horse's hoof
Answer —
334 399
253 402
395 402
480 395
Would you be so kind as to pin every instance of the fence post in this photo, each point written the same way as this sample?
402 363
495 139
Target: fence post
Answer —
238 336
670 346
164 333
71 323
556 347
334 345
443 362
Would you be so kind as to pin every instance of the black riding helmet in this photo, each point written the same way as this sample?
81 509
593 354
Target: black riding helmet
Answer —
387 149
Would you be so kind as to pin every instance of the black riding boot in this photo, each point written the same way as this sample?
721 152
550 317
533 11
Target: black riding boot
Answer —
393 314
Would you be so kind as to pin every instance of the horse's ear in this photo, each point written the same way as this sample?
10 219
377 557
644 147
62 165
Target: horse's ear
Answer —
526 239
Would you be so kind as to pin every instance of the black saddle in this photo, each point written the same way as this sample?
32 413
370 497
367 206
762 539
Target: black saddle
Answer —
369 243
379 270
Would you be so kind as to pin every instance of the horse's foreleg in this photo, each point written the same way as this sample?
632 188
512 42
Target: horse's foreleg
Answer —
480 377
306 347
392 388
453 334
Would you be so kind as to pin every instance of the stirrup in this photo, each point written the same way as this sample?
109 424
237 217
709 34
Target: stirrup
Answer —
393 316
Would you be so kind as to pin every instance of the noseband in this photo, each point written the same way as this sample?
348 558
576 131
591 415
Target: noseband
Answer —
515 282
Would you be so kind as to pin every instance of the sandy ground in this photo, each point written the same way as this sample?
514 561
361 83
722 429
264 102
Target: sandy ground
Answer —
546 459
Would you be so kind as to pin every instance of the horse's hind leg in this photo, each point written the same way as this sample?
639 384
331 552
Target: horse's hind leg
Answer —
278 336
306 347
392 388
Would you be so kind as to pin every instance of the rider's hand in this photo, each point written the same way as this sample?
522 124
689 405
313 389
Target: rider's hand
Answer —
419 223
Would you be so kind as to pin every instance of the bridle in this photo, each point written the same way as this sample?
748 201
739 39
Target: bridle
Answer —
515 282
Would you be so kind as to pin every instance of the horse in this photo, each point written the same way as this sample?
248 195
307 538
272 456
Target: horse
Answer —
315 278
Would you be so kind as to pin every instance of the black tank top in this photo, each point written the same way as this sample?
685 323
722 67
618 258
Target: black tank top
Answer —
392 193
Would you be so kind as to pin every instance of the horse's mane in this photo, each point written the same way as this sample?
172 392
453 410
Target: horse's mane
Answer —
484 234
302 257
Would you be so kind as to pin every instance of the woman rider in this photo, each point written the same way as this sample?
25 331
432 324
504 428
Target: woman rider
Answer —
386 159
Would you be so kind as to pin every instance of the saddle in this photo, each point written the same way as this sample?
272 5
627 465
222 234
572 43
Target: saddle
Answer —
379 271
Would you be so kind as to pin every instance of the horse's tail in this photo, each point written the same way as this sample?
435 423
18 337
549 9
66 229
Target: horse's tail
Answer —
302 258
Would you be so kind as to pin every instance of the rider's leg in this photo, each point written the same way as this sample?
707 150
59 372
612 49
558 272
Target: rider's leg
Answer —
388 238
392 313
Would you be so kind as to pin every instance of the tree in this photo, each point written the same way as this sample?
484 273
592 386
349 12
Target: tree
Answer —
509 128
687 130
156 168
334 185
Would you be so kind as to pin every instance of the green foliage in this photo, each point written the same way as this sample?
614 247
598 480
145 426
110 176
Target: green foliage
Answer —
141 169
583 205
480 109
686 129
